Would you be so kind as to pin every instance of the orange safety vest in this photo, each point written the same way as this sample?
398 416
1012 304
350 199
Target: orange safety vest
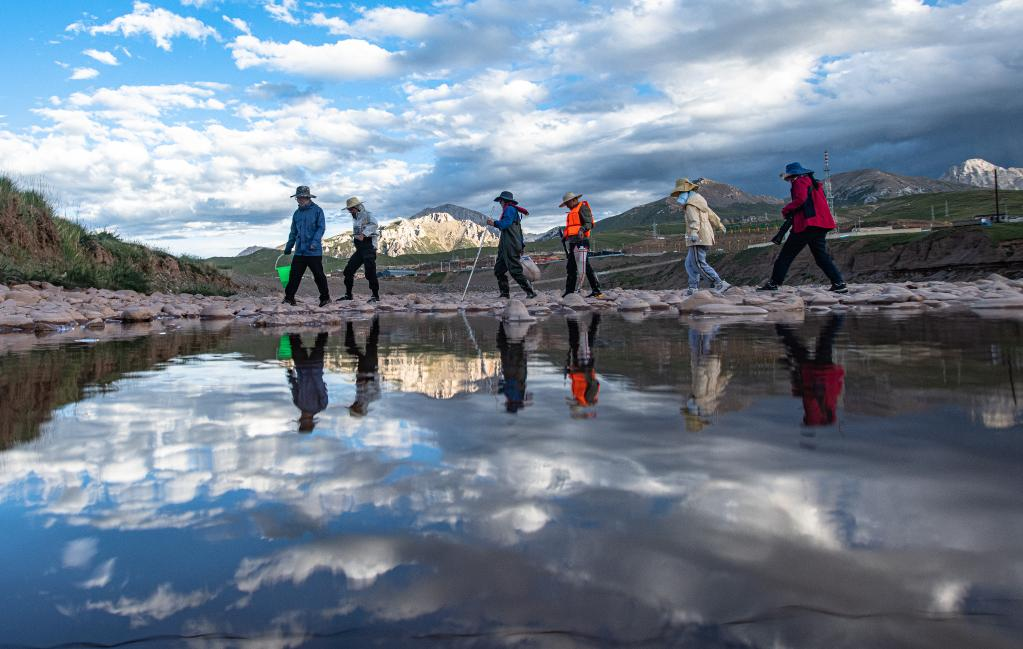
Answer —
575 222
582 385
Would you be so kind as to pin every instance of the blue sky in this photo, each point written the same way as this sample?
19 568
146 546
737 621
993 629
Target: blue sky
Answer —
187 123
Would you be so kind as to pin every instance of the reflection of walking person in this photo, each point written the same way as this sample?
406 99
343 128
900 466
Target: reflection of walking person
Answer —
817 380
580 369
308 391
708 379
367 375
513 370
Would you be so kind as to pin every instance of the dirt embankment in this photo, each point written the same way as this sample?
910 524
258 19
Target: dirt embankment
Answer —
952 254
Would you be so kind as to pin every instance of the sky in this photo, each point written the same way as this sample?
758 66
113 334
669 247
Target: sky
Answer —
187 124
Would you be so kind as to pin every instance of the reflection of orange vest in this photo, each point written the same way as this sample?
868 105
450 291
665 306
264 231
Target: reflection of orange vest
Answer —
581 381
575 222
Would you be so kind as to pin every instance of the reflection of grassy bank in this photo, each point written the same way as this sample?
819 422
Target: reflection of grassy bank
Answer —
35 244
34 384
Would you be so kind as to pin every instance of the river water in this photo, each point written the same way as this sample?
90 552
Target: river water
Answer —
589 482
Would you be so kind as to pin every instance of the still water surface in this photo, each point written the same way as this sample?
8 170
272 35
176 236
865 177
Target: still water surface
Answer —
589 482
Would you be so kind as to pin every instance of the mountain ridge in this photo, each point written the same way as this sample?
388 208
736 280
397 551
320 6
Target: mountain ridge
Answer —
978 172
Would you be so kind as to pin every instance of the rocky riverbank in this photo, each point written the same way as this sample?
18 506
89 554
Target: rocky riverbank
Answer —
40 307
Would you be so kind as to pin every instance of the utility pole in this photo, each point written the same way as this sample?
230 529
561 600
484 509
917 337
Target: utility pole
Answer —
932 217
827 183
997 206
946 210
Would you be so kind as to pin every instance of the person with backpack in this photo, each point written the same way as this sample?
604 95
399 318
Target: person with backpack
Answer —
510 246
575 237
811 220
701 221
364 232
307 227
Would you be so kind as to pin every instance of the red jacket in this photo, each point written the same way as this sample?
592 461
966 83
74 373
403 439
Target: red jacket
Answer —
823 218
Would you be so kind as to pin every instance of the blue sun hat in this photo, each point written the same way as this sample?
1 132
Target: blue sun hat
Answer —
794 169
506 196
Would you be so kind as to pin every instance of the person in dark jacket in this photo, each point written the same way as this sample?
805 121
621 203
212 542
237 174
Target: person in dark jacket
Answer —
811 220
367 369
580 368
308 391
817 380
510 246
365 231
307 227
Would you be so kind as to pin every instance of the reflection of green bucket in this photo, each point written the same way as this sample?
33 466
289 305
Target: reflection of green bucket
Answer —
284 348
284 272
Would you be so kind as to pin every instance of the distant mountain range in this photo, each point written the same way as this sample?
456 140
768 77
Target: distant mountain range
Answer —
428 232
981 173
865 186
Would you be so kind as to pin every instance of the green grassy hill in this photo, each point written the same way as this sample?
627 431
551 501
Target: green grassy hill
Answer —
37 245
961 205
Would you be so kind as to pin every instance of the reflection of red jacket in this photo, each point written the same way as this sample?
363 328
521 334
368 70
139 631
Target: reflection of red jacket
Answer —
822 385
822 219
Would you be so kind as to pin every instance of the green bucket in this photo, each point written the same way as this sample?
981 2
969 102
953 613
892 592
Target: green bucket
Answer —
283 272
284 348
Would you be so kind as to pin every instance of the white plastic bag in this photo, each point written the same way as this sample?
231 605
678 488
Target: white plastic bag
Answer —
530 269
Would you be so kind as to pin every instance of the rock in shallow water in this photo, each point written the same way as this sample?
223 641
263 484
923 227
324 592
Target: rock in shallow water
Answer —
516 312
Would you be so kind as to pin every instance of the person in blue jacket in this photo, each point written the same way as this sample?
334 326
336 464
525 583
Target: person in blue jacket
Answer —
510 246
307 227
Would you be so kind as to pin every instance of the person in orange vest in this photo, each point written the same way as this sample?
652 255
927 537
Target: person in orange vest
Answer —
576 238
580 369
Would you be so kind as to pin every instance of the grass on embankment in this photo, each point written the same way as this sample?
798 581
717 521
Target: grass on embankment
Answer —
37 245
961 205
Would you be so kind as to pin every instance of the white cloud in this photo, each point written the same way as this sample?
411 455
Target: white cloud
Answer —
79 553
347 59
161 604
161 25
84 73
238 24
101 576
334 25
281 10
393 21
102 57
196 3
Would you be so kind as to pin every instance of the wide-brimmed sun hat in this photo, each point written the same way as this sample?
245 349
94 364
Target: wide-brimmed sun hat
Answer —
684 185
794 169
354 201
302 192
567 197
506 196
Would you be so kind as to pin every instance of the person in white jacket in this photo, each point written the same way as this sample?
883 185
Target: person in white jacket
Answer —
701 221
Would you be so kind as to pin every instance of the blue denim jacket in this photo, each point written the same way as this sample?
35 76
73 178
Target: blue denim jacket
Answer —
307 227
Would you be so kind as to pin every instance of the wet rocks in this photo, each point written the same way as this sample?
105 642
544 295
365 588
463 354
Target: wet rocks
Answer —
15 322
216 312
137 314
729 310
574 301
516 311
632 304
699 299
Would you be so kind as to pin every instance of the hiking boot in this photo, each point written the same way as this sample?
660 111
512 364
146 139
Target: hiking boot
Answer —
375 298
839 288
567 293
769 286
504 296
721 287
690 292
324 301
596 295
531 294
345 298
289 300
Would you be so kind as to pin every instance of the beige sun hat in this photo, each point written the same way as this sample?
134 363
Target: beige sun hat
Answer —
567 197
354 201
683 185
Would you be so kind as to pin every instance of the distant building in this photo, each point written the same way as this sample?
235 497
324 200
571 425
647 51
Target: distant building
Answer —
397 272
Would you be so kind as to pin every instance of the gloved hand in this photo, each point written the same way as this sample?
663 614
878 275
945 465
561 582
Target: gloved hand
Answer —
724 230
694 237
287 251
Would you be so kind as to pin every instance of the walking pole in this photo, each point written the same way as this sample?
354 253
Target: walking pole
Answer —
483 238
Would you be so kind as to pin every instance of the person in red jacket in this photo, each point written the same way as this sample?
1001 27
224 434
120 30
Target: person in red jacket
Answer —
811 220
817 380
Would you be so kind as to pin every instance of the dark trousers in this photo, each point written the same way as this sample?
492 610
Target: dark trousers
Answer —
814 238
298 265
508 262
573 272
365 254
